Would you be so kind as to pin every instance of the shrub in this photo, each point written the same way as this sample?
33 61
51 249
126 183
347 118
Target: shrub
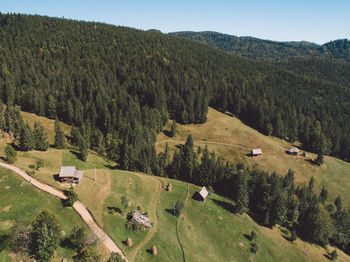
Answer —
71 197
334 255
89 254
178 208
39 164
78 237
10 154
115 257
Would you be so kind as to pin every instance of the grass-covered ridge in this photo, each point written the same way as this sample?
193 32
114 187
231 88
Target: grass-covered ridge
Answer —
232 140
207 231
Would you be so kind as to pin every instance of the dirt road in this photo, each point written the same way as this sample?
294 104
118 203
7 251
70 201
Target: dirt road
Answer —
78 207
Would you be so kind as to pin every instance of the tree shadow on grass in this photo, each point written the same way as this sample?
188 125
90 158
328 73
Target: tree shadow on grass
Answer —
313 162
112 210
77 154
179 146
56 177
247 237
327 256
167 133
15 147
66 243
170 211
228 206
113 167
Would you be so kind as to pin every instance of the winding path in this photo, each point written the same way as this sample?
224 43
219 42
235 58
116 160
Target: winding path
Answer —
150 234
78 207
209 142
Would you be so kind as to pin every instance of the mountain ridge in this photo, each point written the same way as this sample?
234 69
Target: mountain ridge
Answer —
269 50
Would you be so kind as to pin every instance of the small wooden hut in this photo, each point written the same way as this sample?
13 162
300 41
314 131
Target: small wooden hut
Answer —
256 152
203 193
293 151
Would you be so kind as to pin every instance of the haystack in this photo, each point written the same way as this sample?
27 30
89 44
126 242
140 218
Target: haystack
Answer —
169 187
129 242
154 251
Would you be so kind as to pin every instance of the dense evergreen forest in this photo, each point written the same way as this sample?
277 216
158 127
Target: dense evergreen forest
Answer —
268 50
118 86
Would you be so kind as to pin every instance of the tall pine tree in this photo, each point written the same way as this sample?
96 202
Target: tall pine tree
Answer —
242 200
60 140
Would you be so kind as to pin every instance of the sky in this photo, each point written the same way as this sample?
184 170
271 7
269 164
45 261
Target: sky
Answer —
317 21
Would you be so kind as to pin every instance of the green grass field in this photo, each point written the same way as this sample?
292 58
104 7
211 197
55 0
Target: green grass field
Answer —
21 201
232 140
207 231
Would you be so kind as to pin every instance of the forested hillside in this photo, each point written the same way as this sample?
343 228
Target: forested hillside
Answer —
118 87
270 50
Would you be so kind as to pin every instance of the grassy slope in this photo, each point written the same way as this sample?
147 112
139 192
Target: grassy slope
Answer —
49 124
233 140
21 201
204 236
207 230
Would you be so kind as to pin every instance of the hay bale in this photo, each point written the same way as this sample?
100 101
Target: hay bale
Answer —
129 242
154 251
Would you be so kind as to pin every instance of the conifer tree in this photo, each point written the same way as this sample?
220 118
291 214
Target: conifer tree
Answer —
75 135
323 195
293 235
338 203
60 140
242 193
125 157
50 107
188 159
173 129
40 137
319 160
83 150
46 234
26 138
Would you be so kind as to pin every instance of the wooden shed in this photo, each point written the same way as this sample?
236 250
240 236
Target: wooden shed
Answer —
256 152
203 193
293 151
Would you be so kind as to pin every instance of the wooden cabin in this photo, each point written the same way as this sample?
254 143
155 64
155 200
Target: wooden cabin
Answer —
70 174
256 152
293 151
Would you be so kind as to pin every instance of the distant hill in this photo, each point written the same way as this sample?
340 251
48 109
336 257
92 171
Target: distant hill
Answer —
270 50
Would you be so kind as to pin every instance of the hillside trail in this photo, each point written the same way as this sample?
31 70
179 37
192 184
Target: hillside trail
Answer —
156 199
200 142
177 224
78 207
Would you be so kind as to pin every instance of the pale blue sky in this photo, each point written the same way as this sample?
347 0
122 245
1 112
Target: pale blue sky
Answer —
316 21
